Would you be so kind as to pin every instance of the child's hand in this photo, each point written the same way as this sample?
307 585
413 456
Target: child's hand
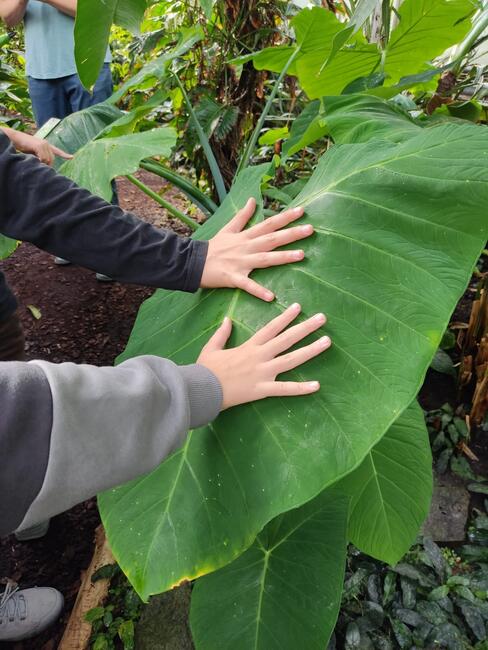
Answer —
248 372
234 252
42 149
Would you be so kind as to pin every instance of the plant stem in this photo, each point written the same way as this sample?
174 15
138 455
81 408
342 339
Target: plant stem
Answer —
170 208
246 156
214 167
203 201
473 35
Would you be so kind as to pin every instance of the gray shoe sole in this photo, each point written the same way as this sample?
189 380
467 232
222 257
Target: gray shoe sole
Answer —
103 278
60 261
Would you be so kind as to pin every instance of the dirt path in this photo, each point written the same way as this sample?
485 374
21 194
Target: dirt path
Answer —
85 321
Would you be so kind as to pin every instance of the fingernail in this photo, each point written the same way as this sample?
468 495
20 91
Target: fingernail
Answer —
298 210
296 306
313 385
307 229
320 318
269 295
298 255
324 342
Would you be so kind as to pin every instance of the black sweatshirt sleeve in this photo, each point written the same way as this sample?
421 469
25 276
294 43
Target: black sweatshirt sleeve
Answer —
42 207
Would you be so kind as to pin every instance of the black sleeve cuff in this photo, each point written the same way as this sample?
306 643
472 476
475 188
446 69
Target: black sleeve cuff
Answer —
196 264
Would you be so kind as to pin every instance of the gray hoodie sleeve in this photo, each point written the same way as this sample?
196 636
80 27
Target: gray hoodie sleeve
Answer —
70 431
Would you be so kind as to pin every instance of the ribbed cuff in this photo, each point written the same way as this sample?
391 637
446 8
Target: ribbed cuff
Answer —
204 394
197 262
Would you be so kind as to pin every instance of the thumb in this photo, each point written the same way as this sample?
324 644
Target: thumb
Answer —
221 336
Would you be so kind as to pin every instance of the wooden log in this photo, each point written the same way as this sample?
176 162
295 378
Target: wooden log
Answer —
77 633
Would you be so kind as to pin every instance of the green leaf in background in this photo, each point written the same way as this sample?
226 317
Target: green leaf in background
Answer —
391 489
158 68
91 36
273 135
77 129
7 246
307 128
442 362
207 6
333 55
359 59
359 118
296 565
127 122
398 229
425 30
98 162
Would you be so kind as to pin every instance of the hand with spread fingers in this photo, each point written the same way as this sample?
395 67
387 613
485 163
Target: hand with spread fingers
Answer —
249 372
234 252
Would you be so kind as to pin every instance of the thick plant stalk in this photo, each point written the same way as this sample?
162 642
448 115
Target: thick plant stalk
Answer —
167 206
246 156
481 23
198 197
214 168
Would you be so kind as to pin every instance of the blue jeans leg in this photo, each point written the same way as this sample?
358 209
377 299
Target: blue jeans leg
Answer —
79 98
48 99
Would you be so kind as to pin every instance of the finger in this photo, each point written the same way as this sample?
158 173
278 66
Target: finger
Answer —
277 325
241 218
294 335
253 288
46 158
289 388
265 260
297 357
62 154
218 340
280 238
276 223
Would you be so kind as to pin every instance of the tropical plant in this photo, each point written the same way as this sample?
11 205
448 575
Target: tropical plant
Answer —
260 504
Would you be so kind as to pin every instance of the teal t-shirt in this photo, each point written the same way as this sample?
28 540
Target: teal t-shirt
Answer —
49 42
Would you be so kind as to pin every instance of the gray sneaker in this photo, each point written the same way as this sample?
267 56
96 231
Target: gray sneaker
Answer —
24 613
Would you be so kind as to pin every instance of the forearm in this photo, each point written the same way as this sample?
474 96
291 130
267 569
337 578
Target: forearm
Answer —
15 137
88 429
50 211
12 11
68 7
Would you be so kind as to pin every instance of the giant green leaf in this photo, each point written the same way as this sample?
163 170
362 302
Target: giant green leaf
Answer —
284 592
98 162
359 118
92 29
425 30
79 128
332 55
391 489
398 228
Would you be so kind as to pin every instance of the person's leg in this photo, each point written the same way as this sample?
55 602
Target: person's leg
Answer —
48 99
104 86
79 97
